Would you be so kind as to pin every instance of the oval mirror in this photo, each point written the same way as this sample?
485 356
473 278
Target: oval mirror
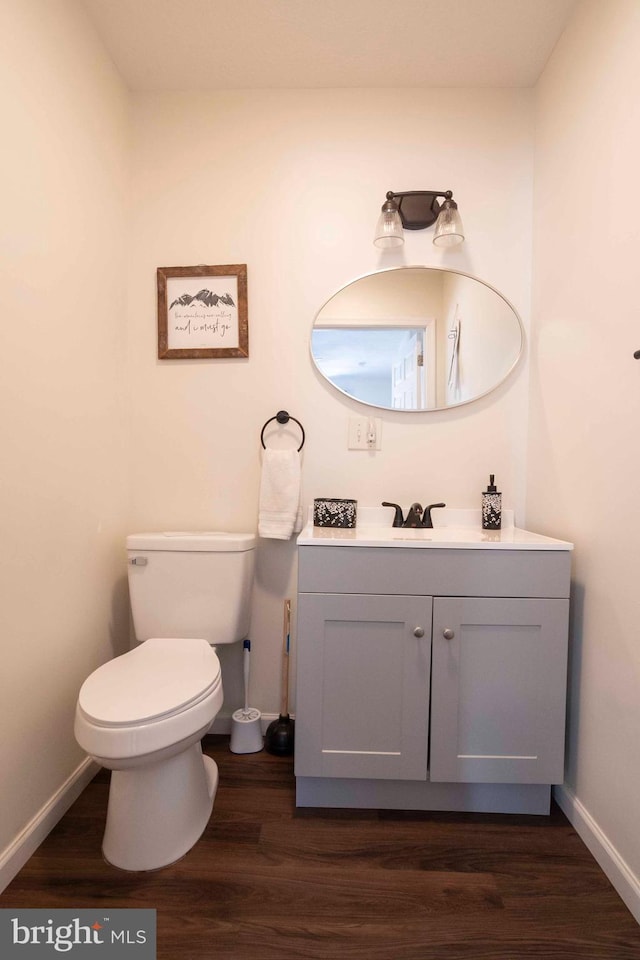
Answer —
416 338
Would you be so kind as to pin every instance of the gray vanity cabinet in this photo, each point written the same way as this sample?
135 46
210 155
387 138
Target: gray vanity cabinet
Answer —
363 667
498 694
446 666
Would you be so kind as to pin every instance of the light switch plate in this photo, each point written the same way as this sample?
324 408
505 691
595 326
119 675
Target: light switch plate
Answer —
365 433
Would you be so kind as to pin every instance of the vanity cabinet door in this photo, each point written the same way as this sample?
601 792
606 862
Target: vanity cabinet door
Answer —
498 690
362 689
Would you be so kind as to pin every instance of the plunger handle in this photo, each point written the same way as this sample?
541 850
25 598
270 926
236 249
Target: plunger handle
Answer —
284 703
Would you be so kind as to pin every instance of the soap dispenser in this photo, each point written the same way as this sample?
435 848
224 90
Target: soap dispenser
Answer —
491 506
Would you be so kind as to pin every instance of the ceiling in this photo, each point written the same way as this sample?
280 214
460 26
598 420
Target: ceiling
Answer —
204 45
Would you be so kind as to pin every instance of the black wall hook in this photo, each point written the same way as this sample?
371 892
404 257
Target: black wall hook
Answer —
282 417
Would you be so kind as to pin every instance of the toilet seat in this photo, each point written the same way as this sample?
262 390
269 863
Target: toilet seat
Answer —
160 678
143 701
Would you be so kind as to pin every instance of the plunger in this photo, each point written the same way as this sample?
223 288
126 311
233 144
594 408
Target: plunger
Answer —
280 733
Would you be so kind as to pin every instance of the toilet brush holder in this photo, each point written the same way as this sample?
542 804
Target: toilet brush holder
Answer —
246 724
246 732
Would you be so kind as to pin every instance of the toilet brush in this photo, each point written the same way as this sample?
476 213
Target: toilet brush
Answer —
246 726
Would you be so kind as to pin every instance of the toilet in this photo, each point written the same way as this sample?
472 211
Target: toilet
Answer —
143 714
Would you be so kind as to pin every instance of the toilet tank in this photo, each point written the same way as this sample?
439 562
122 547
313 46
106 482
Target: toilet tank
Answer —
191 584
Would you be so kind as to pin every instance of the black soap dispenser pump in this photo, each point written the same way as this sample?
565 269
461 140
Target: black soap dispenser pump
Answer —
491 506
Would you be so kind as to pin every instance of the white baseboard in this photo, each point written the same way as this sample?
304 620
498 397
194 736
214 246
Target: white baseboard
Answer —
625 881
14 857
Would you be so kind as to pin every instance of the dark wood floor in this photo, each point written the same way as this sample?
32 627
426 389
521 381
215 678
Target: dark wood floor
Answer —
269 882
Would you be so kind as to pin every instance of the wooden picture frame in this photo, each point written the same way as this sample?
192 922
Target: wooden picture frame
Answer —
202 312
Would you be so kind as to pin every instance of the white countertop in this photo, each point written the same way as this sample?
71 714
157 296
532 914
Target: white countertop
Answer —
459 529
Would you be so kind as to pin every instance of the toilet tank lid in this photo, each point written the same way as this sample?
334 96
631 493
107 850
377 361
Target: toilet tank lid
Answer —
205 541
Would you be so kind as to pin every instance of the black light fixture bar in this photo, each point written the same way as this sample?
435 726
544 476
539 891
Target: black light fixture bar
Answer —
418 209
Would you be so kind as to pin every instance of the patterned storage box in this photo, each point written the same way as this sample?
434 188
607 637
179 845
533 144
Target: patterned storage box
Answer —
334 513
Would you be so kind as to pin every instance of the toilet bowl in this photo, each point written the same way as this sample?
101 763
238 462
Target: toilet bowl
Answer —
143 714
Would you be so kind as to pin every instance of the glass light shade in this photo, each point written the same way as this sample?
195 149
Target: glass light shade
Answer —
389 232
449 229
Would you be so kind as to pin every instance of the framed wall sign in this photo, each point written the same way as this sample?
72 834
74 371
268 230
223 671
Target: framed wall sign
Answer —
202 312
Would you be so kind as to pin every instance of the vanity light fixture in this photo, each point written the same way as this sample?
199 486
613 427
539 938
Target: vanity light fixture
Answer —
417 210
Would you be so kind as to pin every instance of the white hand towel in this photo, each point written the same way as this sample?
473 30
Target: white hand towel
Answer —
279 494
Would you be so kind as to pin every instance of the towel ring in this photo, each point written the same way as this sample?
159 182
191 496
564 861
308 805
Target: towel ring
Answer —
282 417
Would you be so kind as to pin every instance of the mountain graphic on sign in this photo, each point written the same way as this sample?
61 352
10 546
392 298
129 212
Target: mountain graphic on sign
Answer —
205 297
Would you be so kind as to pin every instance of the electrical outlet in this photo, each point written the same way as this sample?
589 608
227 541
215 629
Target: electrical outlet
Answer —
365 433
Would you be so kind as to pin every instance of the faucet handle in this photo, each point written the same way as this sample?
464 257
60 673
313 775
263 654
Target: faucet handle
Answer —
426 517
398 519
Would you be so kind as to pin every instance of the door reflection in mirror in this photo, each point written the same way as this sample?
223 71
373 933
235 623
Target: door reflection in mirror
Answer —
384 366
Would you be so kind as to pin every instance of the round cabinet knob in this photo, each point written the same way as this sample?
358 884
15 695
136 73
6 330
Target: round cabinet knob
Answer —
418 632
448 633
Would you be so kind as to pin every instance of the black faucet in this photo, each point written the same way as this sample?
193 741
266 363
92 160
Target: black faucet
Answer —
416 517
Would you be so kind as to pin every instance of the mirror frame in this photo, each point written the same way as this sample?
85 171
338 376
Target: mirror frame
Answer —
451 406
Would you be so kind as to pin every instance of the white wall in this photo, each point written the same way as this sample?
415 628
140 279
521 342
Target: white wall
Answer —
583 459
63 482
291 183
